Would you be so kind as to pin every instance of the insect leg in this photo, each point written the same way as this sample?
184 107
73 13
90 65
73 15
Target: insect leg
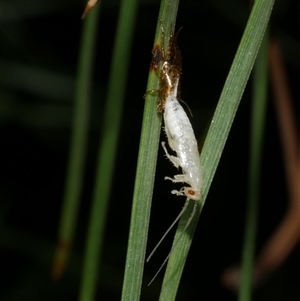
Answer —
177 179
173 159
180 192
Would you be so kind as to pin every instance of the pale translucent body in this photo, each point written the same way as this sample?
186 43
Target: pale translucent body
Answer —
181 139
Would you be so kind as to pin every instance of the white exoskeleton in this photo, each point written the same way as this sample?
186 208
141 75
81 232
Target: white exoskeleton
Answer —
181 139
180 134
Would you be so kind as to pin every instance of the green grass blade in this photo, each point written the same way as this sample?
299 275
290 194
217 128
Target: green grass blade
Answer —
218 132
75 172
107 151
258 118
145 172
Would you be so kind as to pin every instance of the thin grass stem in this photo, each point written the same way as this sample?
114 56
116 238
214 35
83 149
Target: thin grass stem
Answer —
75 169
217 135
146 165
256 144
108 147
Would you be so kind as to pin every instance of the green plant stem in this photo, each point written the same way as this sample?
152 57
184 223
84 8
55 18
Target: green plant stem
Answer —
218 133
108 147
75 171
258 118
146 169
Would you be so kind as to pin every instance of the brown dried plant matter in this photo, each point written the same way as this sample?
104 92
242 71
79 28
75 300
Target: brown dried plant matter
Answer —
167 65
88 7
287 234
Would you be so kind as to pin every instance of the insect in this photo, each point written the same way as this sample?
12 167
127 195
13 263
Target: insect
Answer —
180 135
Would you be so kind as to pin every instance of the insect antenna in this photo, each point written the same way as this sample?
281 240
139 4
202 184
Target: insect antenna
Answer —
169 229
177 241
190 111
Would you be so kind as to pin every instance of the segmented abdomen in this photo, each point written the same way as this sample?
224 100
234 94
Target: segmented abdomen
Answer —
181 139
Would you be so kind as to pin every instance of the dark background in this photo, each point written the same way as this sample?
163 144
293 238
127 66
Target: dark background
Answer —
39 50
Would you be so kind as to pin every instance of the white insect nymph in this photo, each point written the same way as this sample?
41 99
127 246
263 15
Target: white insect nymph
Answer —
179 131
180 134
181 139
